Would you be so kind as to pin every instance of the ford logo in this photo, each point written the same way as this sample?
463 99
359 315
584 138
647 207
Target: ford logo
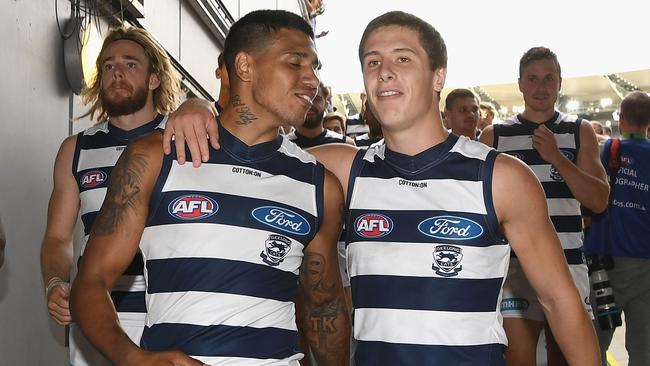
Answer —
450 227
282 219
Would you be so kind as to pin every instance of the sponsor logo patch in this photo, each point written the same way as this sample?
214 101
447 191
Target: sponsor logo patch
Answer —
446 260
373 225
514 304
192 207
282 219
92 178
276 247
450 227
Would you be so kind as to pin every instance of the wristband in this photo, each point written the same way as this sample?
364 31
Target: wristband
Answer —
52 283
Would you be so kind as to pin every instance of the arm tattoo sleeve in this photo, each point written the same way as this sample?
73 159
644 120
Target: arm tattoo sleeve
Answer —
125 185
326 318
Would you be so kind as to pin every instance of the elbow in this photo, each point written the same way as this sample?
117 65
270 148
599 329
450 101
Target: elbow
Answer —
603 200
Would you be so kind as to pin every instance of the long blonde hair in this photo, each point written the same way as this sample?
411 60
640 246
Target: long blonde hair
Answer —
165 98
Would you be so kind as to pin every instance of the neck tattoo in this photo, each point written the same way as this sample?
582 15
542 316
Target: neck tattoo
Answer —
245 114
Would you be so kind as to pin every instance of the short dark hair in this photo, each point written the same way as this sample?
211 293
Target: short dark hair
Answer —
536 54
635 108
220 60
253 31
430 38
457 94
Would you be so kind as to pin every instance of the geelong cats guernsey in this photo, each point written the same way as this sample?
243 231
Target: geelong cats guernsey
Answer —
96 153
426 258
514 137
222 251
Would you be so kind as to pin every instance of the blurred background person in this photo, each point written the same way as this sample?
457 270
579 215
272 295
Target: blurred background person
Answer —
622 233
462 112
488 113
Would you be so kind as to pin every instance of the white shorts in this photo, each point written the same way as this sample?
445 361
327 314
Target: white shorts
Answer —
82 353
520 301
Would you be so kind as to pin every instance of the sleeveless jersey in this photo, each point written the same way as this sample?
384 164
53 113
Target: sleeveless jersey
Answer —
326 137
514 137
222 250
96 153
624 229
426 257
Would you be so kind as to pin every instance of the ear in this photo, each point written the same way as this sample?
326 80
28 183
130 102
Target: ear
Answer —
154 81
217 73
439 77
560 87
519 85
244 66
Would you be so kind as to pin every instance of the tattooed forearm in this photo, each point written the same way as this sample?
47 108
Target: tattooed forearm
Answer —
325 318
313 273
245 114
125 185
328 331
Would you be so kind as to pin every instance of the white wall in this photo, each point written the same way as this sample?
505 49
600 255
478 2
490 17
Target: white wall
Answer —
36 109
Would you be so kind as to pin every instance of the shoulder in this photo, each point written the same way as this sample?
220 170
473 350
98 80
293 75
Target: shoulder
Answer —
515 186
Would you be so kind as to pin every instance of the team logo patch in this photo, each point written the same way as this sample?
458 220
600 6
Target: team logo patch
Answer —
373 225
192 207
446 260
450 227
93 178
514 304
282 219
555 174
276 247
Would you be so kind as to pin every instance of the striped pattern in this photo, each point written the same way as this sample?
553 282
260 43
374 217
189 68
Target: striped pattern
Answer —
515 138
212 291
97 150
409 217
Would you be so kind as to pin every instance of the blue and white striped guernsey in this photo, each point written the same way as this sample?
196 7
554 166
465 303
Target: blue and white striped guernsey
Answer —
222 250
426 257
514 137
96 153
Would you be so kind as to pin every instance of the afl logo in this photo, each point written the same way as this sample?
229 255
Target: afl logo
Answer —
93 178
193 207
450 227
373 225
282 219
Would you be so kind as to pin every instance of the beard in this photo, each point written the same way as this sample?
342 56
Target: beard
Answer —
313 120
122 106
